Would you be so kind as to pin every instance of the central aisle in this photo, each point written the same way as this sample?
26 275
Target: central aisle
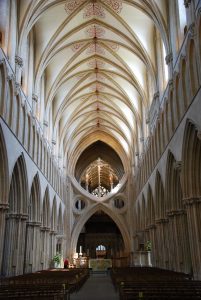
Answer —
97 287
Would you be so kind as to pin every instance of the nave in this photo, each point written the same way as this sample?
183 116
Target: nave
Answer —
98 287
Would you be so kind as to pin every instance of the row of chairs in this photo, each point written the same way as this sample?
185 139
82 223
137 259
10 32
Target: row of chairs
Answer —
55 284
148 283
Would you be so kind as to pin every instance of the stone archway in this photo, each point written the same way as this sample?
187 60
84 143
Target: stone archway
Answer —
113 216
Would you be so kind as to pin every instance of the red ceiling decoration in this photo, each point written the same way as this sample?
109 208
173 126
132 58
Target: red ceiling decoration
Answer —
75 47
94 10
95 31
115 5
96 64
95 49
72 5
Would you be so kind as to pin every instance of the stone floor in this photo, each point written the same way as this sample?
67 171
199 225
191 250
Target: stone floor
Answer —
97 287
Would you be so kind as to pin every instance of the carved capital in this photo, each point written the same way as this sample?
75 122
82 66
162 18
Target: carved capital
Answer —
142 139
177 166
199 135
170 83
4 206
19 61
192 29
162 221
17 88
11 77
169 58
156 95
54 142
191 201
187 3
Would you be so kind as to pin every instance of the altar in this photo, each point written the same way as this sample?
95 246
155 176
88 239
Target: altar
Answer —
100 264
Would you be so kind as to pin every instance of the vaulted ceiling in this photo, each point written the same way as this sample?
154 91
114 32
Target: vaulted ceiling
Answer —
97 60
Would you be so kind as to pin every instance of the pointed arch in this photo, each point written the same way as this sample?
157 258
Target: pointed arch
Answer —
193 71
46 209
3 75
191 158
60 221
173 191
54 215
18 194
83 219
4 178
159 196
150 211
35 200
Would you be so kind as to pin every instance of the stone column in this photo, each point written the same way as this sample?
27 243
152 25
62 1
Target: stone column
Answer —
193 209
52 243
153 239
163 243
3 210
32 247
45 236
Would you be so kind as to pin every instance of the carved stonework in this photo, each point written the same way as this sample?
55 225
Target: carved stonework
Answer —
35 98
177 166
54 142
191 201
192 29
169 58
186 3
19 61
170 83
17 88
199 135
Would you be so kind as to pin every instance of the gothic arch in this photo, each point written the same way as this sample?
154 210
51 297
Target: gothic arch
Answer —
3 74
60 221
35 200
54 215
16 218
4 179
150 211
191 158
18 193
159 196
193 71
77 229
46 209
173 192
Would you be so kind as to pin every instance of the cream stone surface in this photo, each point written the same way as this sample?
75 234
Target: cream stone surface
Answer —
122 73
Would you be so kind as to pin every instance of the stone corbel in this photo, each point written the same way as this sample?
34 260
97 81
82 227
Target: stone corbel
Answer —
54 142
170 83
11 77
177 166
191 201
35 98
199 135
19 61
192 29
187 3
169 58
17 88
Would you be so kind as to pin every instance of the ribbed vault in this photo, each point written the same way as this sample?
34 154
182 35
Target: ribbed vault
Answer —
95 67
